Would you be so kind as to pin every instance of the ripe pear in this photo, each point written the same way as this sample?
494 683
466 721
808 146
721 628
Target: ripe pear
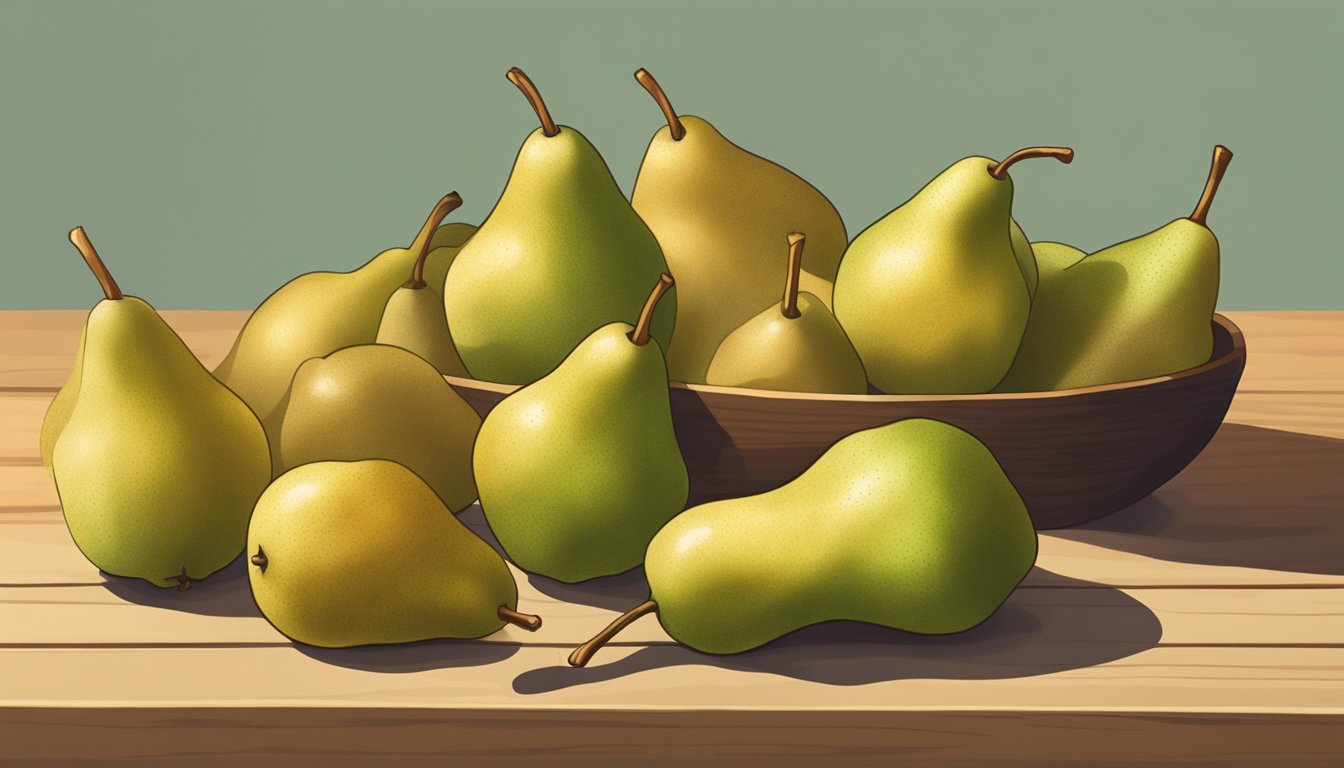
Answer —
720 212
314 314
912 525
374 401
579 469
561 254
1137 309
156 463
933 294
364 553
1052 258
795 345
1026 257
414 320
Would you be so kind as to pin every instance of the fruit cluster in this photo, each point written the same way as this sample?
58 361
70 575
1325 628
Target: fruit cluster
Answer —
331 450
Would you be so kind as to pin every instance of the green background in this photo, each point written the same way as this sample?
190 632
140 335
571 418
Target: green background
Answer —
215 149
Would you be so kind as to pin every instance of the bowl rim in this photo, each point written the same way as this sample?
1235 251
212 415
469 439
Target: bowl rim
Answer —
1238 351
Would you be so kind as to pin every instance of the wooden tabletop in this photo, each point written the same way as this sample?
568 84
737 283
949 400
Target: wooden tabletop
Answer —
1204 624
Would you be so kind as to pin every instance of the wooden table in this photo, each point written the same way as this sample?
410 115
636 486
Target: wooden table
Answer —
1205 624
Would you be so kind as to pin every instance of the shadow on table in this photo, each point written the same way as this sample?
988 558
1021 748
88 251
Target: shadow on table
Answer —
413 657
1255 498
224 593
1038 631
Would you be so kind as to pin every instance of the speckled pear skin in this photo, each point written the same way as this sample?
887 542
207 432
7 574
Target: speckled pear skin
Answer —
158 464
923 532
561 254
720 213
1141 308
364 553
317 313
1026 257
932 295
58 412
808 353
414 320
1052 258
578 470
375 401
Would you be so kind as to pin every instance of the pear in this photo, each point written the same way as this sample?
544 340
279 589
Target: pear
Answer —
561 254
374 401
314 314
579 469
414 320
156 463
1138 309
1026 257
719 212
1052 258
912 525
933 295
364 553
795 345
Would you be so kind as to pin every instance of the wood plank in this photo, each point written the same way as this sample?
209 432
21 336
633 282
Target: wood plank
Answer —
1295 351
1005 675
1308 413
330 736
121 613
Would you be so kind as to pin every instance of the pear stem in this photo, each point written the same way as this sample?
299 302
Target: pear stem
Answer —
527 621
81 241
656 91
1222 156
1062 154
790 305
182 579
584 653
640 336
260 560
445 206
524 83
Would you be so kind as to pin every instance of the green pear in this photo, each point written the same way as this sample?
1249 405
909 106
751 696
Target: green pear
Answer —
1052 258
933 295
58 412
579 469
314 314
795 345
374 401
156 463
1138 309
561 254
414 320
719 212
1026 257
912 525
364 553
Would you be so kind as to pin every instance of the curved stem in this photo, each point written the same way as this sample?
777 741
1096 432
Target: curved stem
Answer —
673 122
1222 156
446 205
583 653
1062 154
81 241
527 621
524 83
640 336
790 305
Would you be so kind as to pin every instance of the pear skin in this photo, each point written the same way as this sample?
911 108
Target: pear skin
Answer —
1026 257
720 213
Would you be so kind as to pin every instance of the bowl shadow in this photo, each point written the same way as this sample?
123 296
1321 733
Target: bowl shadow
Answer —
1254 498
1070 624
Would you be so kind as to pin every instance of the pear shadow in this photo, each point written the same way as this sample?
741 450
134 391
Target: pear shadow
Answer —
413 657
614 593
1070 624
224 593
1254 498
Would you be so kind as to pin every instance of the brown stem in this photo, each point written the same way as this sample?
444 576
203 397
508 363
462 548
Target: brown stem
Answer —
420 245
1222 156
527 621
583 653
1062 154
182 579
524 83
260 559
81 241
790 305
665 104
640 336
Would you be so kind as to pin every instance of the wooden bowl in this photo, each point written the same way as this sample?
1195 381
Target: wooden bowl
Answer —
1074 454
